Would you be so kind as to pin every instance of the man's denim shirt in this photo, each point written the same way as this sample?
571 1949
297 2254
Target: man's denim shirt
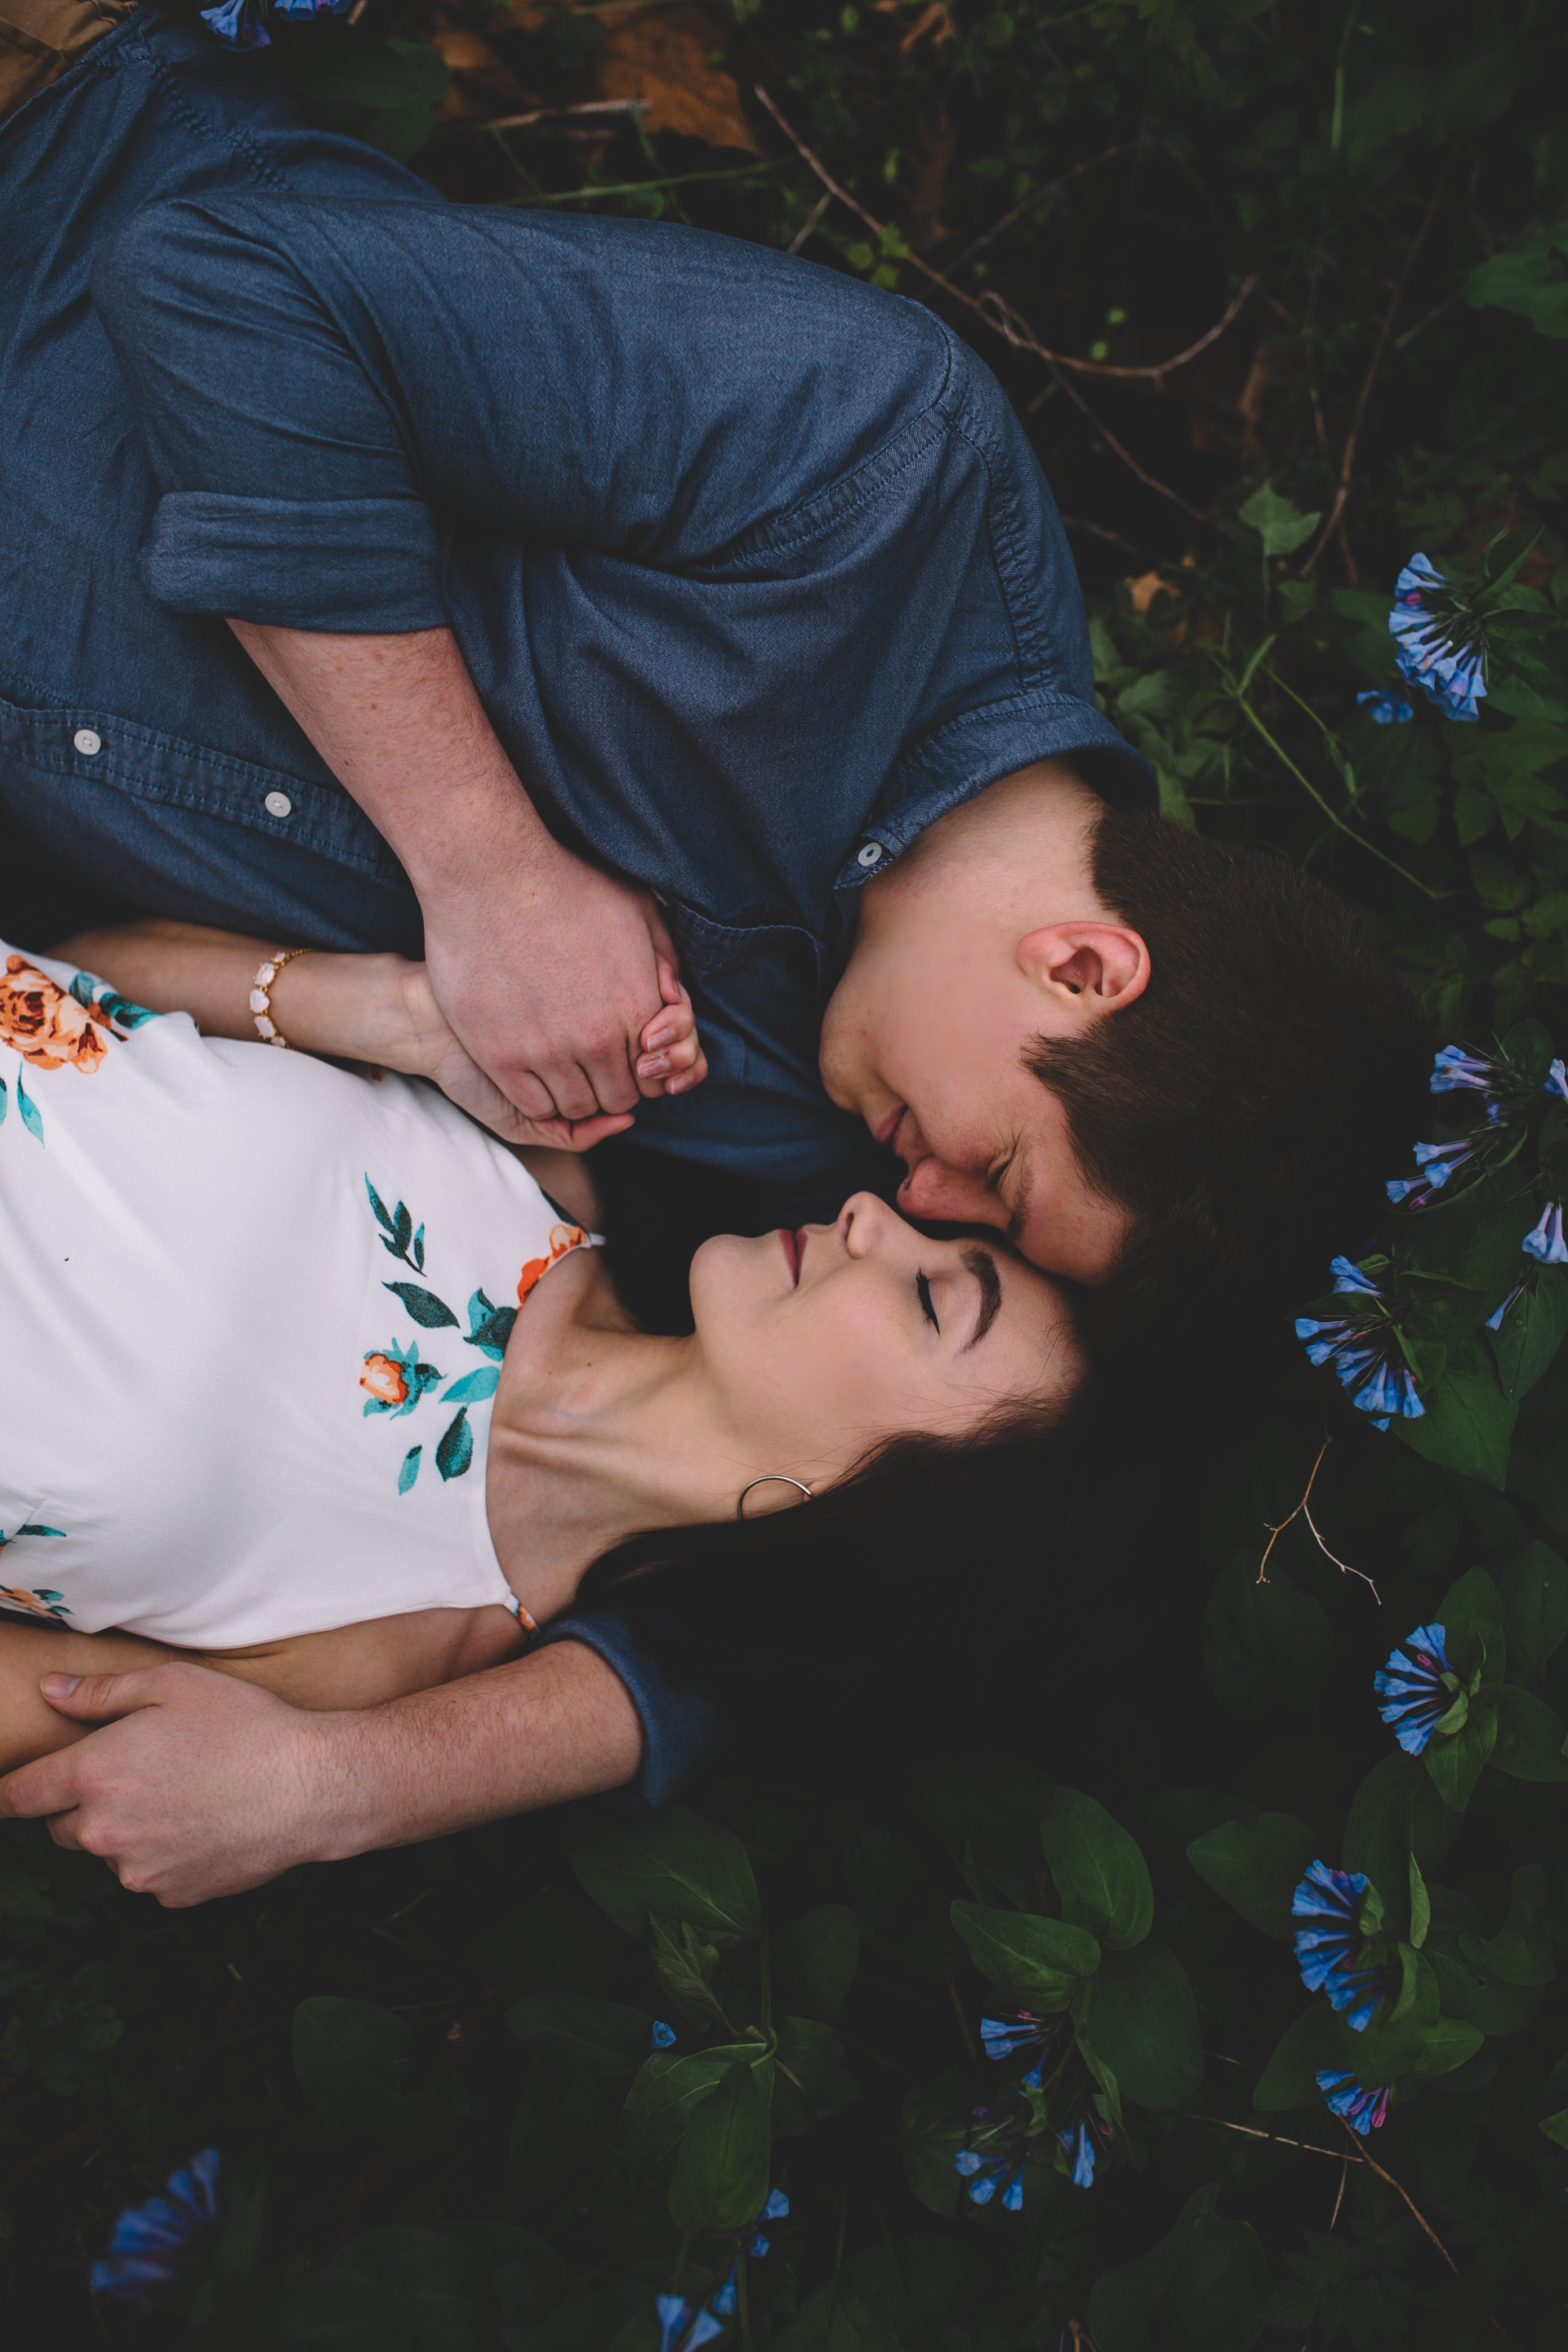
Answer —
753 564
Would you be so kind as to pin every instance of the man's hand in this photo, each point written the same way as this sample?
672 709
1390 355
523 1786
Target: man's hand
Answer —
199 1785
547 969
551 974
671 1060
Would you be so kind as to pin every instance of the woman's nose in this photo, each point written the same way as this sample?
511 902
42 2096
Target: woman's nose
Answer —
862 1220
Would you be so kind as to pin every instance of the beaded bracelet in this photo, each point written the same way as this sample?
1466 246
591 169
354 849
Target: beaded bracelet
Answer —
266 1028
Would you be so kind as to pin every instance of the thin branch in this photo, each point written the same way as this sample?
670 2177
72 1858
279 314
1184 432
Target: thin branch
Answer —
1035 196
1302 1511
1097 531
1347 463
819 208
1420 2219
1340 2198
1127 459
1308 2146
599 106
1335 819
998 314
952 1995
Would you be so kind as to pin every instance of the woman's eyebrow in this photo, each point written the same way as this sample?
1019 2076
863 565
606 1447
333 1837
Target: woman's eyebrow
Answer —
982 1266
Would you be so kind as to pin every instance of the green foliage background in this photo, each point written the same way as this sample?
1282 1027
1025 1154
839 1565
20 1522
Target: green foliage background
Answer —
430 2072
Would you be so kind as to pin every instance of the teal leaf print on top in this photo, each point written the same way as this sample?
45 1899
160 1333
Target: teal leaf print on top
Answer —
29 1110
410 1470
474 1386
455 1454
489 1327
40 1600
398 1236
423 1305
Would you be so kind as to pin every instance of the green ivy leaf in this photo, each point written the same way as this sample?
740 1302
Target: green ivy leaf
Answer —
603 2039
684 1966
1098 1873
1530 1736
1256 1866
1532 1332
671 2084
1043 1960
1468 1425
1533 1590
1457 1763
722 2172
1281 527
678 1865
1145 2026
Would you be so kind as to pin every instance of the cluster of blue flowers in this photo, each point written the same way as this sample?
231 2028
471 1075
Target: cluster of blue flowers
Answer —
1363 1346
149 2241
685 2327
242 23
1429 651
1417 1690
1388 709
1329 1946
1362 2110
1002 2171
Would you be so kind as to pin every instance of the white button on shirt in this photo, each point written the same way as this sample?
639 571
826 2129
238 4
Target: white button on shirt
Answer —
870 854
278 805
87 742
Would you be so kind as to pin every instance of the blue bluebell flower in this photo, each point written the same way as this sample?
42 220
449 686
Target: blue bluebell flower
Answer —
663 2035
1362 1349
1412 1693
1437 1162
1389 709
1449 673
149 2241
1362 2110
1326 1902
1495 1320
1454 1067
1545 1240
683 2327
1080 2148
775 2210
987 2174
311 7
1557 1081
238 25
1003 2035
1031 2081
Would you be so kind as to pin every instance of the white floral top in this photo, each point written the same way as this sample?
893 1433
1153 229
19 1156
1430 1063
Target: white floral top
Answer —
253 1310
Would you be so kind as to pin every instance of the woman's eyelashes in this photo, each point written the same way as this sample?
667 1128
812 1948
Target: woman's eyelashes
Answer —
922 1292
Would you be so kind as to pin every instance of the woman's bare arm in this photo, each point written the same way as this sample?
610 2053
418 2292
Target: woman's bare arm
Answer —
377 1009
198 1785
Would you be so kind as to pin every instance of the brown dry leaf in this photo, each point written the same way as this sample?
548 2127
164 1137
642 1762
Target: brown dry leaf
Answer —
662 56
936 20
480 85
1145 588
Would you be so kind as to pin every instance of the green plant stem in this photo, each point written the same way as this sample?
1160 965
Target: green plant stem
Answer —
1331 812
642 188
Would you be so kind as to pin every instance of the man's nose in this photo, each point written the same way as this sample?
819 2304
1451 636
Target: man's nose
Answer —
942 1195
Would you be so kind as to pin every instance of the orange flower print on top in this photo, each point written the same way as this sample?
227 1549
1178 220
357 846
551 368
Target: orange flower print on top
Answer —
562 1239
385 1380
47 1024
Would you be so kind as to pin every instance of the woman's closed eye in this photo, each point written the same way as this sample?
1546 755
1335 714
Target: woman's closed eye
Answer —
922 1292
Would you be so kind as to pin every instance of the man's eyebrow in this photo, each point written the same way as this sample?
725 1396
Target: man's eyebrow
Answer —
982 1266
1020 1217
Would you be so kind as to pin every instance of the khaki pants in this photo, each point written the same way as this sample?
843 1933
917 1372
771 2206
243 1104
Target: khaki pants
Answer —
39 38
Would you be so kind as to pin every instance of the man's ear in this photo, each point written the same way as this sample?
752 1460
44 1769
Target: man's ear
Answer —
1087 968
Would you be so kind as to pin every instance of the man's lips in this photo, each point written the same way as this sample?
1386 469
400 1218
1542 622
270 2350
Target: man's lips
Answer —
884 1133
790 1243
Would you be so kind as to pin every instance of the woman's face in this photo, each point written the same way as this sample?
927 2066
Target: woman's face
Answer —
823 1342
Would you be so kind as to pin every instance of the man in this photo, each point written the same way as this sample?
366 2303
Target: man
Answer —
557 597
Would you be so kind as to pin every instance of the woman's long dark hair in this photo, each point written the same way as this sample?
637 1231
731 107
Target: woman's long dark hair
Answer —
944 1579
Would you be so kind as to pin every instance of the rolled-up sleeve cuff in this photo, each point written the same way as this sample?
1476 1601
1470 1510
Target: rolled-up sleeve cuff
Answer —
369 566
682 1727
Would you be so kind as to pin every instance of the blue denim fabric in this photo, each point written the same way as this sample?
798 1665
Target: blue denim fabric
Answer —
754 565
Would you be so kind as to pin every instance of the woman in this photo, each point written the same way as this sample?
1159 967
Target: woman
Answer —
246 1437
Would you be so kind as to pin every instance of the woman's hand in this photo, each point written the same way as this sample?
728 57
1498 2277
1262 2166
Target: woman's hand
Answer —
671 1061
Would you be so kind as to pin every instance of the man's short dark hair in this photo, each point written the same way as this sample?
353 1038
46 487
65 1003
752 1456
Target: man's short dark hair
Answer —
1246 1106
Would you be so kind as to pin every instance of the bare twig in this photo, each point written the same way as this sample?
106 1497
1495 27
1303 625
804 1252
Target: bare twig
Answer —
1097 531
1302 1511
1347 463
952 1994
1127 459
1250 2131
1361 2157
1339 2198
809 224
1035 196
998 314
597 106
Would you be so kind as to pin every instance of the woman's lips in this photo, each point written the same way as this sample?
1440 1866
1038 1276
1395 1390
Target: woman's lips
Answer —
789 1242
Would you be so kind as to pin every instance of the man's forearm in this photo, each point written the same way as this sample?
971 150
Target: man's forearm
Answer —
541 1731
398 721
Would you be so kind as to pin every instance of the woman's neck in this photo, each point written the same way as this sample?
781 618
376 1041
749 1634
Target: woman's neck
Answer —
598 1430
